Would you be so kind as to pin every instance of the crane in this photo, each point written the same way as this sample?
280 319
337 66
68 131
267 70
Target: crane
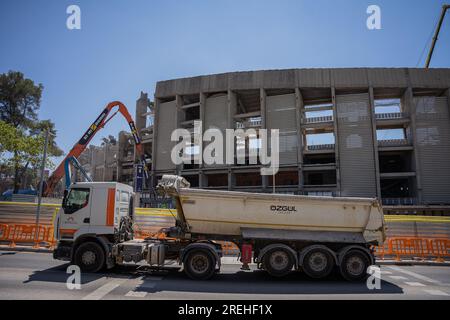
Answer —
81 145
445 7
77 166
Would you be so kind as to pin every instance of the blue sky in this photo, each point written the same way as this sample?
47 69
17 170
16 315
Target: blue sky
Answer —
124 47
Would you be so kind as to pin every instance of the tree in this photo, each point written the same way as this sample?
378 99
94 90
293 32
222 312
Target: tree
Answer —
41 127
20 100
25 150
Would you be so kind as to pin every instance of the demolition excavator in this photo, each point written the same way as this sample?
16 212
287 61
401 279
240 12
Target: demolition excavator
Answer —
81 145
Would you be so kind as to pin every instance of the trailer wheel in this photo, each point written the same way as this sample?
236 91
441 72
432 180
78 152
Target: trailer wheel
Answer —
199 265
318 263
354 265
278 262
90 257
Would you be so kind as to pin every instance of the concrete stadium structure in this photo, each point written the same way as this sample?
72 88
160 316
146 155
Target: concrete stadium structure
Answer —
344 132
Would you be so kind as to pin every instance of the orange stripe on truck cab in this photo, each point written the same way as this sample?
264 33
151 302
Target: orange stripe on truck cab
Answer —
68 231
110 207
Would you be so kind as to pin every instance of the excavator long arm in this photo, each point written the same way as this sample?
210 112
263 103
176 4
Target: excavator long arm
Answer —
81 145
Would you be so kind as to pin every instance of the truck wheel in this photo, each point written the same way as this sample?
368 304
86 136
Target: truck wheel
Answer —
199 265
90 257
318 263
354 265
278 262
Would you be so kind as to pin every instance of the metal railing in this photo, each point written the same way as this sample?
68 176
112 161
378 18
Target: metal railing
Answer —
394 142
248 124
318 119
399 201
390 115
314 147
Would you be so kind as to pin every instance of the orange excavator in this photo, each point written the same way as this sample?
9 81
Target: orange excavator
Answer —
81 145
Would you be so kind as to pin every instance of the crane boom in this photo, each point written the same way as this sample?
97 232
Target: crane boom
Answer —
81 145
445 7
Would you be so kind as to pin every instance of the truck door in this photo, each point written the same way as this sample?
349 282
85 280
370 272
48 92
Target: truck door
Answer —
76 211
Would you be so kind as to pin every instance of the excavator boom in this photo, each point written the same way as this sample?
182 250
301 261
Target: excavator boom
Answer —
81 145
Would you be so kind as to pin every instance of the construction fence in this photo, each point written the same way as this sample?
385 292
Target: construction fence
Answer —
408 237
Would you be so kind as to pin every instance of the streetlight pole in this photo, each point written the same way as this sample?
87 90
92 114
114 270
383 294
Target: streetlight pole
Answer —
41 183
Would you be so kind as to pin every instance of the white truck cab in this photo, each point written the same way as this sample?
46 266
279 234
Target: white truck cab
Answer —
92 210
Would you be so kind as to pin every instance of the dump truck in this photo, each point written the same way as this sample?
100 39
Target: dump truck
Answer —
280 233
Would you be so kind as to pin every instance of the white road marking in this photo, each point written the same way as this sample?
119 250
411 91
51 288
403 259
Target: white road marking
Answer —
415 275
104 289
415 284
435 292
145 283
385 272
398 278
136 294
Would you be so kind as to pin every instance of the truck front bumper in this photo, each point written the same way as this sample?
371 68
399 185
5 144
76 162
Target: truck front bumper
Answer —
63 252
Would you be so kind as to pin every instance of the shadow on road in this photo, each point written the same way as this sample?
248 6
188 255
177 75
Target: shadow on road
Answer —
7 253
58 274
259 282
240 282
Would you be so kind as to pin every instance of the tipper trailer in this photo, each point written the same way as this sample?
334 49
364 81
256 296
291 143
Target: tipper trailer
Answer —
278 232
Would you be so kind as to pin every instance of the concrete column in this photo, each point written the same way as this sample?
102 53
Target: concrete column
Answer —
409 101
141 108
231 179
336 142
105 161
262 100
375 142
231 112
202 180
154 144
202 119
299 105
447 94
178 119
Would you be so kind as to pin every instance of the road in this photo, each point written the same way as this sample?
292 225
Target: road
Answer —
25 275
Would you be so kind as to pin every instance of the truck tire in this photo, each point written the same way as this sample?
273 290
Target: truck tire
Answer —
90 257
354 265
278 262
199 264
318 263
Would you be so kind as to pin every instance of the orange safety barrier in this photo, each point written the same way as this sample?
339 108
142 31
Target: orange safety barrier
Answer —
4 231
414 247
26 234
399 247
420 247
440 248
50 237
381 251
229 247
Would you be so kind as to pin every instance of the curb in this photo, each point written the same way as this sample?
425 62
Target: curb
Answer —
413 263
25 249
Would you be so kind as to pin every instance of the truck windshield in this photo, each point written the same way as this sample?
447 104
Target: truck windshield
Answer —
77 199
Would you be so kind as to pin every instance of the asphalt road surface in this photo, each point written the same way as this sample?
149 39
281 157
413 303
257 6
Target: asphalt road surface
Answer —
26 275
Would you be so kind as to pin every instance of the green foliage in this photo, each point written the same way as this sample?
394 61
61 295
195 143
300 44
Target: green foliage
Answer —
21 133
24 150
47 125
20 99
